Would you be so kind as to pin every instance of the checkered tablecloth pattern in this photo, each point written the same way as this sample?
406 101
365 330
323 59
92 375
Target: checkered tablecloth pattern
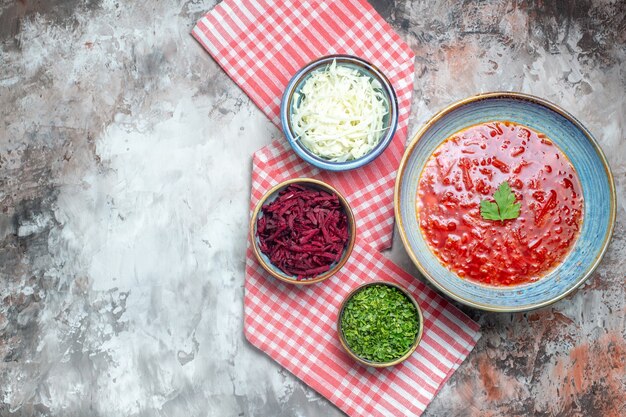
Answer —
297 326
261 44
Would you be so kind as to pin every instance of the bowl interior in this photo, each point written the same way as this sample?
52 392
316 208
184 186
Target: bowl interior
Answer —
290 103
271 196
584 154
418 336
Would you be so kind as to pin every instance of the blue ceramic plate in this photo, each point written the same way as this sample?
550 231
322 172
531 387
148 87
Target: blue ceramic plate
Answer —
583 152
287 105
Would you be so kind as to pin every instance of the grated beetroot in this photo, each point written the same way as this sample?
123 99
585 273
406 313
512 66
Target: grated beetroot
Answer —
304 231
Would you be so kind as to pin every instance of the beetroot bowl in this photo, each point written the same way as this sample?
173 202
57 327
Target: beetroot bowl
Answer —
302 231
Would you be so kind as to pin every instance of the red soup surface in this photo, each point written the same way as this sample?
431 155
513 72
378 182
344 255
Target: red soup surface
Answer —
468 167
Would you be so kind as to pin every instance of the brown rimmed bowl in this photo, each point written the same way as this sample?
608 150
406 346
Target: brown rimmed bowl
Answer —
366 362
270 196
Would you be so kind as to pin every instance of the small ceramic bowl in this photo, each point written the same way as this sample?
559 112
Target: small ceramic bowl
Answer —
572 138
264 260
364 361
288 104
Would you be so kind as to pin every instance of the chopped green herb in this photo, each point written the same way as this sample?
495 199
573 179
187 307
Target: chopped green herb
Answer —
504 208
379 323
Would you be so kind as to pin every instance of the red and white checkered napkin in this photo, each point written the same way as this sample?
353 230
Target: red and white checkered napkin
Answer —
261 44
297 326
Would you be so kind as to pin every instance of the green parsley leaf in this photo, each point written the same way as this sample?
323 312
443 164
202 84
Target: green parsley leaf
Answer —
489 210
505 207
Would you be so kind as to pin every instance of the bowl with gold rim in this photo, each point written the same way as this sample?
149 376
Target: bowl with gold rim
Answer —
302 231
505 202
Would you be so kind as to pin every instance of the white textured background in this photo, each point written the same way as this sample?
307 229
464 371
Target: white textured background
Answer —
125 157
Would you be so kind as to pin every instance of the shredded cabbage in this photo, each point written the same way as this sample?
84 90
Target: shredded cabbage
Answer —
340 115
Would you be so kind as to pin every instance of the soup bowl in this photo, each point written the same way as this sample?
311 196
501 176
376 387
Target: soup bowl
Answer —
584 153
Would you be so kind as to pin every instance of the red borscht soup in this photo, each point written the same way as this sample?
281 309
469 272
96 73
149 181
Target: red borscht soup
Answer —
468 168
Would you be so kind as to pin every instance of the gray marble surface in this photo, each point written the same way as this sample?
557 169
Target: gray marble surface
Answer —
125 157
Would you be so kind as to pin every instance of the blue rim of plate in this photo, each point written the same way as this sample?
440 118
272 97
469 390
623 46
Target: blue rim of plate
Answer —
301 75
598 254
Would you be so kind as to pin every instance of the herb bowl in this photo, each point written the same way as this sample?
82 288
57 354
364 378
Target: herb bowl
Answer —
345 306
266 262
292 98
